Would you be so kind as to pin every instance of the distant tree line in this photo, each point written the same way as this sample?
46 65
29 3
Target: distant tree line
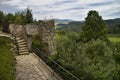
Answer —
75 26
21 17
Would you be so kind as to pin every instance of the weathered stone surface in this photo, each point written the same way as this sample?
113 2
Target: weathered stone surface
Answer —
32 29
28 67
18 30
47 36
45 30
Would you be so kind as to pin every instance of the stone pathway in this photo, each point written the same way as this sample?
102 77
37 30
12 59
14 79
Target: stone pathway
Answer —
28 67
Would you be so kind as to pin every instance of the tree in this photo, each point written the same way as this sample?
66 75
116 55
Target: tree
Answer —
1 17
19 18
10 18
88 61
28 15
94 27
24 17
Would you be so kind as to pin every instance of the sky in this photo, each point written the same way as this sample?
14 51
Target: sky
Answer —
63 9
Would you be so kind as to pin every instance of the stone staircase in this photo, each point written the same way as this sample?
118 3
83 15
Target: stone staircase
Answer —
22 46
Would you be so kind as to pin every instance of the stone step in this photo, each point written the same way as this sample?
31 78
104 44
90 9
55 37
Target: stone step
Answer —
23 50
20 40
20 48
23 53
23 47
22 43
12 38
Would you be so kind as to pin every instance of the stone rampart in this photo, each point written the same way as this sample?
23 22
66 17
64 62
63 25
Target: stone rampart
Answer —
45 30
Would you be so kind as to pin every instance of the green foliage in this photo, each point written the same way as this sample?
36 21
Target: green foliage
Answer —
116 47
1 17
115 44
28 15
39 44
94 27
113 35
6 60
99 60
115 29
21 18
93 60
90 57
73 26
24 17
36 41
10 18
114 26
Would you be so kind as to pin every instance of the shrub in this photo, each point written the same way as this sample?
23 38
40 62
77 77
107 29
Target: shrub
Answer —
90 61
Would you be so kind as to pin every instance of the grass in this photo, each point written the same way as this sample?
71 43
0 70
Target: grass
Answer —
114 39
6 60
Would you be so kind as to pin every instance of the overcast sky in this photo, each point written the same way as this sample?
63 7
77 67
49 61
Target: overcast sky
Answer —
64 9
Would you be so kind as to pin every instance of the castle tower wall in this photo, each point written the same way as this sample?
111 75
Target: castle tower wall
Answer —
47 36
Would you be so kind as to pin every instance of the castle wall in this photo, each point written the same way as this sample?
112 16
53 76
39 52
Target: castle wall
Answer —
47 35
32 29
45 30
18 30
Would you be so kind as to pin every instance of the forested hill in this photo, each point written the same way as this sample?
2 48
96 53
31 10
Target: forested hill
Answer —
113 24
65 21
74 25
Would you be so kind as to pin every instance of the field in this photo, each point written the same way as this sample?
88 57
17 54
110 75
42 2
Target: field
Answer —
6 60
114 39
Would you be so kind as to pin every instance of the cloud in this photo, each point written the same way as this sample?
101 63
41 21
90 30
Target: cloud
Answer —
64 9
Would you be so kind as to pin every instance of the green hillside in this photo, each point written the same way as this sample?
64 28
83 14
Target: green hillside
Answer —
113 25
6 60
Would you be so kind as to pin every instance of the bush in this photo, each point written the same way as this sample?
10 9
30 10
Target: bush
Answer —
93 60
99 63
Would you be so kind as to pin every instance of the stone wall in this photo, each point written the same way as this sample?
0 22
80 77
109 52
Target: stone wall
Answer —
45 30
18 30
47 36
32 29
